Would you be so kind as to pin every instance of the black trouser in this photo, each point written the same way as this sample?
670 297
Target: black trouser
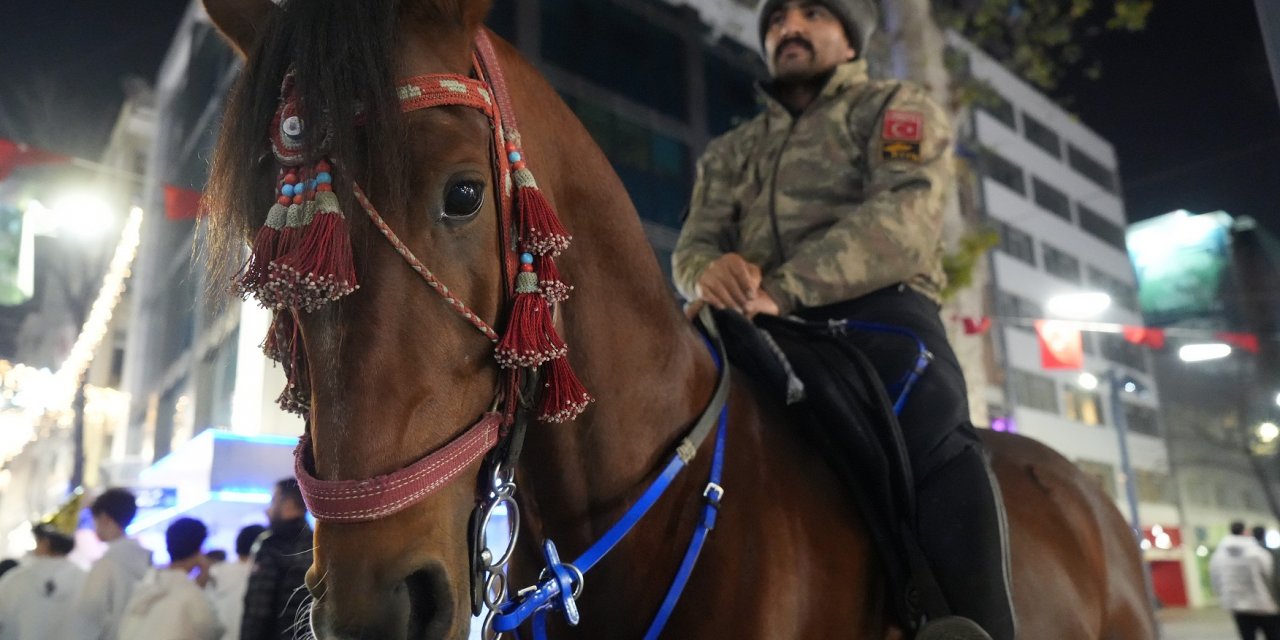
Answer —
1250 624
960 520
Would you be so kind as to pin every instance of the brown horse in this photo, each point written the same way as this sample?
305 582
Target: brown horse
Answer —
394 374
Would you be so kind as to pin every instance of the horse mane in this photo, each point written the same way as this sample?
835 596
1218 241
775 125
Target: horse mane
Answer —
342 58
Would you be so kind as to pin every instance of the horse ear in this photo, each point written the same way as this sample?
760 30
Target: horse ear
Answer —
239 21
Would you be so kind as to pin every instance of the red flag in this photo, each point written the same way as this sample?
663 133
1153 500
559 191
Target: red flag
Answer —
1145 336
1061 346
180 203
1246 341
17 154
976 326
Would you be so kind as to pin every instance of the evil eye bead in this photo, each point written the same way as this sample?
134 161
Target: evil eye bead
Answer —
292 126
526 258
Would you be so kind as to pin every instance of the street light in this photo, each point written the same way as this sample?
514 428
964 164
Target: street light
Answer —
1205 352
1268 432
1082 305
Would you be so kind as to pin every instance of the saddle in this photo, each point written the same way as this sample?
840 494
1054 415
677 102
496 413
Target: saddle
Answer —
839 406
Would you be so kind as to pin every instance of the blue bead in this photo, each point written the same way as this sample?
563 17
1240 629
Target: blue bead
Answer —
324 177
526 258
515 156
286 190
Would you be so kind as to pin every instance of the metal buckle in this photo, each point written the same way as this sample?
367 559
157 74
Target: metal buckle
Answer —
713 493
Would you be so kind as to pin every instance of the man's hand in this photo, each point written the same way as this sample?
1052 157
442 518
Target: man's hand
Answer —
762 303
730 282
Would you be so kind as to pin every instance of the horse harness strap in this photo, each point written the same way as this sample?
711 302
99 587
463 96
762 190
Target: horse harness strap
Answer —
562 582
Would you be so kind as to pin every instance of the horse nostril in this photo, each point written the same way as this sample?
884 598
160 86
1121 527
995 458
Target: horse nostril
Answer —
430 603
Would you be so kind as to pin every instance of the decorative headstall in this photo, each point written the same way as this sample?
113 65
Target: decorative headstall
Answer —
302 260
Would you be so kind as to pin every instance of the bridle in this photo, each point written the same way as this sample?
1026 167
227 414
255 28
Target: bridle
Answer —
312 267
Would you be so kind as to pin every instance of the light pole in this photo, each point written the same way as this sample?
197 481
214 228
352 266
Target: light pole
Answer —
1116 381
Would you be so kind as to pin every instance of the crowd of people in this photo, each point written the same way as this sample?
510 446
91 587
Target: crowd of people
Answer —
1244 575
197 596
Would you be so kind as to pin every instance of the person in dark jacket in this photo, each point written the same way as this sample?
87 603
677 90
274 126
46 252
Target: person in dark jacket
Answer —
274 597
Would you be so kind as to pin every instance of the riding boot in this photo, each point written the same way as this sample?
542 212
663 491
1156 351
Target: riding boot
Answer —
963 533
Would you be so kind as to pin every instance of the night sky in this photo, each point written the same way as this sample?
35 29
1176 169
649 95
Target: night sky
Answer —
1188 103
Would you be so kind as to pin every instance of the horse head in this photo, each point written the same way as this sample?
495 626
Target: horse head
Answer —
384 370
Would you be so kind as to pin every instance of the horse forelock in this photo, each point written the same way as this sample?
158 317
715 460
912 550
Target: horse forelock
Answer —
343 63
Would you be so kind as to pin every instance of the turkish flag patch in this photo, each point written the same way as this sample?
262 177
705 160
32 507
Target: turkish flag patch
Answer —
903 126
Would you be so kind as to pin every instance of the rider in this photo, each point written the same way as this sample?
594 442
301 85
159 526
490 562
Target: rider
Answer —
829 205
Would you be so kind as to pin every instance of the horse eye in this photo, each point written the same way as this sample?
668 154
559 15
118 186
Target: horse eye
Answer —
463 199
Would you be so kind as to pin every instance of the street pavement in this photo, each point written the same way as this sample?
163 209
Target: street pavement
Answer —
1210 623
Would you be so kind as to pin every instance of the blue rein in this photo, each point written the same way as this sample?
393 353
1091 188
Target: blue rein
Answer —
562 582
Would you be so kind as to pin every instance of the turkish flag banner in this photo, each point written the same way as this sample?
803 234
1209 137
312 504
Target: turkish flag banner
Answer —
903 126
180 203
16 154
1061 345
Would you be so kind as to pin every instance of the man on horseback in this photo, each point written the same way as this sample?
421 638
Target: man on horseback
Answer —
828 206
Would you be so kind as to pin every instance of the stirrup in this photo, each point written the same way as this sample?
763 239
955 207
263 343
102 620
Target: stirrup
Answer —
952 628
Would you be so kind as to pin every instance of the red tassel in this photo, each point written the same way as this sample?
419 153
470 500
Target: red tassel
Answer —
322 268
564 397
276 346
254 274
531 337
549 280
540 229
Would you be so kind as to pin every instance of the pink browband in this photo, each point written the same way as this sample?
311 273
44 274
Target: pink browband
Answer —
365 500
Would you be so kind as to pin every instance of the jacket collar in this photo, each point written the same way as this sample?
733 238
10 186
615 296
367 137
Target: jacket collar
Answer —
843 77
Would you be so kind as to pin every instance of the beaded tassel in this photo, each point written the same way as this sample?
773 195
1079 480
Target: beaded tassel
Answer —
254 275
320 267
531 339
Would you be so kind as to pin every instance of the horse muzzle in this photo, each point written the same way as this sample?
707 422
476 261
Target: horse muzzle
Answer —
421 606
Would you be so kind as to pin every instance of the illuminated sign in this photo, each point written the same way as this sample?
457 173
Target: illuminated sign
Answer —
1182 262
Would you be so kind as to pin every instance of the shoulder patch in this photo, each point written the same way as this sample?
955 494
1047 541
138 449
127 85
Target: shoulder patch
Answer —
904 126
899 150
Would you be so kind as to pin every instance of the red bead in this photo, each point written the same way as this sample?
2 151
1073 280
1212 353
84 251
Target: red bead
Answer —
327 188
511 146
291 179
297 199
284 201
518 165
527 268
322 166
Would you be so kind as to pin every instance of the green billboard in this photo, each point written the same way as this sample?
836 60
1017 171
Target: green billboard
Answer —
1182 262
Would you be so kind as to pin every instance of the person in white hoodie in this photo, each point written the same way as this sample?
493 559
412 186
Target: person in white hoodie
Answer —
1241 570
100 604
34 596
231 579
170 603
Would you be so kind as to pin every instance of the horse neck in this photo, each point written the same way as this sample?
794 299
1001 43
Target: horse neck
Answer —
630 344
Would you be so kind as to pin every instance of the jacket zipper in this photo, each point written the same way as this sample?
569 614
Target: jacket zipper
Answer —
773 190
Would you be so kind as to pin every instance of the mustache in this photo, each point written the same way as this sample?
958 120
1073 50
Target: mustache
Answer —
789 41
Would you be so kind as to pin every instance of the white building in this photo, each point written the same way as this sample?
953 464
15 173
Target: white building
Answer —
1051 187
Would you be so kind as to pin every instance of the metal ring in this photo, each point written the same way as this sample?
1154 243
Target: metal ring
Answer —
486 630
513 523
579 583
495 595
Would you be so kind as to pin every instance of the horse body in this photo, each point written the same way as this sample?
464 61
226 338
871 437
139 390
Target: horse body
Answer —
394 375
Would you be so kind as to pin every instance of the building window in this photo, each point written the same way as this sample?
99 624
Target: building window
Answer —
618 50
1091 169
1099 227
1140 419
1041 136
731 96
1122 294
1006 173
1061 264
999 108
1013 306
1116 349
1154 486
1052 199
1103 474
654 167
1017 244
1034 391
1083 406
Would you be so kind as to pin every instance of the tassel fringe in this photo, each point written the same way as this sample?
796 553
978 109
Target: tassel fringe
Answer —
564 398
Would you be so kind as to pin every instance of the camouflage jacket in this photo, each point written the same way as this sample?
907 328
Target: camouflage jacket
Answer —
835 203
